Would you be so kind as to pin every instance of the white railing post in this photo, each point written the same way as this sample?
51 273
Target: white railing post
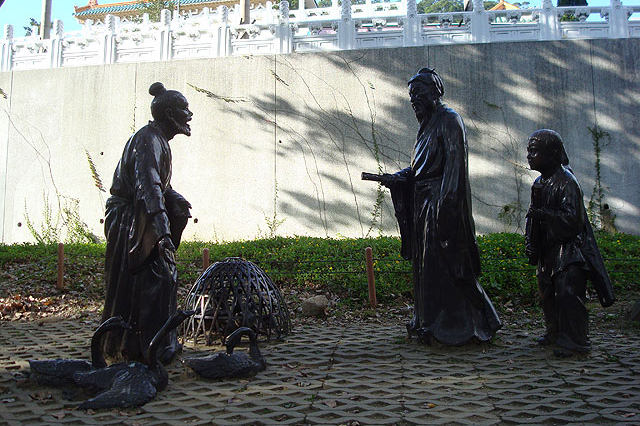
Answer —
282 33
549 22
412 28
618 17
86 27
109 45
346 28
145 21
224 39
479 23
6 49
165 35
302 14
56 44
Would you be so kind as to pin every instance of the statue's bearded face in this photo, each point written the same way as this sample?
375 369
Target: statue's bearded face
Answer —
424 99
179 116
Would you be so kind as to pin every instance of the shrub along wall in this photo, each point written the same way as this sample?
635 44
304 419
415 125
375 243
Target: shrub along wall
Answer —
329 265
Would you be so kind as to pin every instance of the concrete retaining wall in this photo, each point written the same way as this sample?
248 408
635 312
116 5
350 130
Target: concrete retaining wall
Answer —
280 141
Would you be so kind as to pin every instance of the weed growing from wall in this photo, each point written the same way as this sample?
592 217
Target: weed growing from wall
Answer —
596 207
49 232
273 223
67 218
94 173
376 214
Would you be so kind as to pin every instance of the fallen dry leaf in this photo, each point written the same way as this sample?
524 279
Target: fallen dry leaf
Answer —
40 396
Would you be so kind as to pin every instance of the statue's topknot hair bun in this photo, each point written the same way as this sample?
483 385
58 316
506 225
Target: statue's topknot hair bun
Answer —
429 76
156 89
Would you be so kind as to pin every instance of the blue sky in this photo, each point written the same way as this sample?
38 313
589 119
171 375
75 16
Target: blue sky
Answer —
18 12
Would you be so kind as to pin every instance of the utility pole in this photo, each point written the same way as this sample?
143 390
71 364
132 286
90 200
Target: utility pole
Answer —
45 20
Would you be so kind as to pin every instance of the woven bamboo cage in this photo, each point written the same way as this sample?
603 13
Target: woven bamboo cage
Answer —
231 294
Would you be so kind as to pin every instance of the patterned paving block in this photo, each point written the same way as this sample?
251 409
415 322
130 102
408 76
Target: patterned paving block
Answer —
448 415
370 374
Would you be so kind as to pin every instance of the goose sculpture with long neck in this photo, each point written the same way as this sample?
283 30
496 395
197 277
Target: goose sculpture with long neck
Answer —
130 384
59 372
229 364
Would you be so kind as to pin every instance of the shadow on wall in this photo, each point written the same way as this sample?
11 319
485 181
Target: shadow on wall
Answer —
280 141
338 114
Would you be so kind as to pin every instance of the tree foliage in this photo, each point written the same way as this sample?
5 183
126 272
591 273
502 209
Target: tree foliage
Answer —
440 6
29 30
443 6
564 3
154 7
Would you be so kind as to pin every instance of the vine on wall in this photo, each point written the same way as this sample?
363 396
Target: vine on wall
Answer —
598 211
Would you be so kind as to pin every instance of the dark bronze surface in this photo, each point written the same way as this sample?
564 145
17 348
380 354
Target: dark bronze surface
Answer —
59 372
144 221
432 200
560 241
230 364
231 294
130 384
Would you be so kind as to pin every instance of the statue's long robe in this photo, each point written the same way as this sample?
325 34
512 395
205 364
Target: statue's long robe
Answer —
435 212
565 237
140 286
564 240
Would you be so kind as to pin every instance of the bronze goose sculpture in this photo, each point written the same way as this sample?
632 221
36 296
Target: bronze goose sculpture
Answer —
130 384
229 364
59 372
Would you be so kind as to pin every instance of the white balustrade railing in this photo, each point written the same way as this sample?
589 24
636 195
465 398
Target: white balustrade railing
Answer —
277 29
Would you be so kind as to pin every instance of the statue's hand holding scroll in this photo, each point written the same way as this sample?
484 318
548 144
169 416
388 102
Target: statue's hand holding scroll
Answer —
386 179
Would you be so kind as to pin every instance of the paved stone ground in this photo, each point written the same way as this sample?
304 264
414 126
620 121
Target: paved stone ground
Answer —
352 374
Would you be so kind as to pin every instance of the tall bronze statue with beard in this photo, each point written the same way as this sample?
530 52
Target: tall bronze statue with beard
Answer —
144 221
432 199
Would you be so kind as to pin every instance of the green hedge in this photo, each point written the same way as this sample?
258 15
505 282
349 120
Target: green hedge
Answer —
337 265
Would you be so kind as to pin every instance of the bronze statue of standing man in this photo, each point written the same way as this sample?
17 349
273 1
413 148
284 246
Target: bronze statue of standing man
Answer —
144 221
432 199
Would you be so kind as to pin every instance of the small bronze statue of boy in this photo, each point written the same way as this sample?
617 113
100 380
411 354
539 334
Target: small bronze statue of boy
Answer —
561 243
